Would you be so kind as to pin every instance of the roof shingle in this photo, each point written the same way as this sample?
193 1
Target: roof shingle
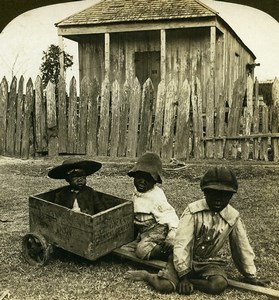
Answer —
118 11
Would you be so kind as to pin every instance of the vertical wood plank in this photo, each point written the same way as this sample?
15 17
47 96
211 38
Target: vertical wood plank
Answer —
248 115
123 121
256 120
92 118
181 149
134 105
27 130
163 54
275 119
104 118
264 141
72 119
4 89
210 117
61 56
40 117
107 54
51 120
234 117
197 118
220 125
11 118
115 118
84 99
145 133
169 114
62 116
159 119
19 117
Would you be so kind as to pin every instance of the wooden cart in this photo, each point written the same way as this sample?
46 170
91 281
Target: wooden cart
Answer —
90 236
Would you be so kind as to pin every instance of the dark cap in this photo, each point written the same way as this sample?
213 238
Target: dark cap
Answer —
60 172
149 163
219 178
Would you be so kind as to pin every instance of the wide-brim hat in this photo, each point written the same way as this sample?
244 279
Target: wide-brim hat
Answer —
60 172
149 163
219 178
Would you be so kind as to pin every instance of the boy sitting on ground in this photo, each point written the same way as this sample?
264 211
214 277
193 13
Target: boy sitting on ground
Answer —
77 196
203 229
155 219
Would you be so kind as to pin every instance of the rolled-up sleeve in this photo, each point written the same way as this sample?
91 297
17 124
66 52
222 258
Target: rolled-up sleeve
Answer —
183 246
242 252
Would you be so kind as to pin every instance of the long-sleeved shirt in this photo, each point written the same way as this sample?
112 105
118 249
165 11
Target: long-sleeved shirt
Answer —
201 233
154 204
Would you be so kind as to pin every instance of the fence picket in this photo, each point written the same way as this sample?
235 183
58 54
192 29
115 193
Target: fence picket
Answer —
115 119
134 108
147 109
27 131
104 119
248 116
62 116
19 117
40 117
210 109
220 125
231 147
170 109
11 118
181 149
51 120
264 141
4 95
72 119
85 88
197 118
123 119
159 118
92 118
275 119
256 120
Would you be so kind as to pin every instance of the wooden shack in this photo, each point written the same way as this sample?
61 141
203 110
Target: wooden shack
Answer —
158 39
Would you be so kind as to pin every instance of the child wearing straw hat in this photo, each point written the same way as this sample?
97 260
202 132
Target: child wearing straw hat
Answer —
154 218
77 195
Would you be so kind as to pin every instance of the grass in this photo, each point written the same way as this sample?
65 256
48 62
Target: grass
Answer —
68 276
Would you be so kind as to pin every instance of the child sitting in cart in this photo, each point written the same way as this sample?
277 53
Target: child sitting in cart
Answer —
154 218
77 195
203 229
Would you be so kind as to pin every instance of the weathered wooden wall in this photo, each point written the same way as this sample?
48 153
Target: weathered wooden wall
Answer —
110 119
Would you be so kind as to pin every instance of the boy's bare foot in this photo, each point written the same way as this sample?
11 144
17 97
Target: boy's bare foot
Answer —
138 275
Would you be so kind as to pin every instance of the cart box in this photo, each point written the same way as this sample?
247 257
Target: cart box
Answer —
90 236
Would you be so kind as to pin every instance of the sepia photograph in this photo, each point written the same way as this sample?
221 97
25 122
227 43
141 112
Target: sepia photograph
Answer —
139 149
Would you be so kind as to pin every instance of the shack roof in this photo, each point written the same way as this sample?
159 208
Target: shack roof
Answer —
119 11
113 13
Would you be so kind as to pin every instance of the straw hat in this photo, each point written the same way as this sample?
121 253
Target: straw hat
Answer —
60 172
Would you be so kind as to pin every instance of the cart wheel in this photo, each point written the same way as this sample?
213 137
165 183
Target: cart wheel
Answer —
35 248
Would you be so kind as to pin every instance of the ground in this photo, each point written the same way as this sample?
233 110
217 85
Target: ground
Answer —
67 276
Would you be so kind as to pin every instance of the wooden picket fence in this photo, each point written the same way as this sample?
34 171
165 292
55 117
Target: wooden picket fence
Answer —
110 119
